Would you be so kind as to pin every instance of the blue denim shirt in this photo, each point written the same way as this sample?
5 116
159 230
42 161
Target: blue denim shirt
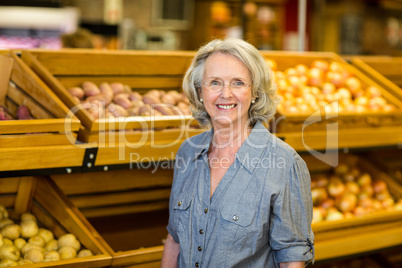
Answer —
259 215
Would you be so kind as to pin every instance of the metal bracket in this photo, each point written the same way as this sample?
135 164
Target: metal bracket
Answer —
89 159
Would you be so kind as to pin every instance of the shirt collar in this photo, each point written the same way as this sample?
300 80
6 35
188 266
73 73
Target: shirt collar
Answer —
203 146
250 151
253 147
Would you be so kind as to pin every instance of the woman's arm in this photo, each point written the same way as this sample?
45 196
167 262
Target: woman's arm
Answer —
170 253
298 264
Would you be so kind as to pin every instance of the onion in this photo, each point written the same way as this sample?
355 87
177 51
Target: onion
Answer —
336 188
347 202
315 77
364 180
320 64
318 195
379 186
334 214
352 187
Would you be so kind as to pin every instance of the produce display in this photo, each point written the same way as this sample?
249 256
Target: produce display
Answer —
22 113
116 100
25 242
325 85
349 192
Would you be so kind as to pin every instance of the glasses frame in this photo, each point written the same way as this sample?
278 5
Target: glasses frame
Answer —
208 85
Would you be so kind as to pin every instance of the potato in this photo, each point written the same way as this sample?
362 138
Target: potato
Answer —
46 234
84 253
29 228
154 92
96 99
134 96
145 110
127 89
150 99
169 99
117 110
5 221
19 243
11 231
51 256
90 88
9 252
37 240
77 92
3 210
117 88
29 246
178 97
138 103
164 109
23 113
7 241
67 253
28 216
185 108
34 255
52 245
123 100
8 263
23 262
107 91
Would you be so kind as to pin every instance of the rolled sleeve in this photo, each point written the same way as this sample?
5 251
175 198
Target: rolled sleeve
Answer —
291 236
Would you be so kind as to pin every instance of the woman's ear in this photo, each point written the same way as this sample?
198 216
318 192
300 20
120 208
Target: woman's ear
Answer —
199 93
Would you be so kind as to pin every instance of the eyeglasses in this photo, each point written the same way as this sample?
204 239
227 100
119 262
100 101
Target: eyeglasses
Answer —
217 85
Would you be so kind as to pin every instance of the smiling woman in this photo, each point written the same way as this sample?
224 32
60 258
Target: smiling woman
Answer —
242 197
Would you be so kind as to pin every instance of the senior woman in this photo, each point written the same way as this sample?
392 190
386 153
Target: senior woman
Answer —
240 196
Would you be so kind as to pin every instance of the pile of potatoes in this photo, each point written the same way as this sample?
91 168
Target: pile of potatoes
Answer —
117 100
27 243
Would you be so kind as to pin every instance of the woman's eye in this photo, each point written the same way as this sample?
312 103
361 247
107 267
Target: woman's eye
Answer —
238 83
215 83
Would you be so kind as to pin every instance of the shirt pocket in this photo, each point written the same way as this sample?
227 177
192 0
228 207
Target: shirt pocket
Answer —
181 211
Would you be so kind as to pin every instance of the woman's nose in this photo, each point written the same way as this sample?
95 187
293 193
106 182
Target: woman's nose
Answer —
226 91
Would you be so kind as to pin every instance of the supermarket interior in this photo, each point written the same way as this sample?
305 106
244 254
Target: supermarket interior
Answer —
93 113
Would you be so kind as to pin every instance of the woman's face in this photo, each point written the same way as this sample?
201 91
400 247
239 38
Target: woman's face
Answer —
226 107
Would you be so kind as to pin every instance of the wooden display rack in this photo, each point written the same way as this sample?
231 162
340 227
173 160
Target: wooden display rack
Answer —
385 71
51 121
319 121
130 214
356 235
41 197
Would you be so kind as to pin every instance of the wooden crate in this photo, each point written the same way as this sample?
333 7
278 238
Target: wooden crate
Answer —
141 70
390 161
128 208
359 234
385 71
41 197
51 124
309 122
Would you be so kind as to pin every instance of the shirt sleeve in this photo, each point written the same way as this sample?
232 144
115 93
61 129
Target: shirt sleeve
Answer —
291 236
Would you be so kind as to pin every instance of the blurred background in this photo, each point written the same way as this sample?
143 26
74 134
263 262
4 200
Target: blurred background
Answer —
354 27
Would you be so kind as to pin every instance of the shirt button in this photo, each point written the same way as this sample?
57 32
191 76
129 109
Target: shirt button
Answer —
197 265
201 231
199 248
205 210
235 217
179 204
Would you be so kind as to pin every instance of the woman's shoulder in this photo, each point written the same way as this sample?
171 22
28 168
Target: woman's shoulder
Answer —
281 149
195 143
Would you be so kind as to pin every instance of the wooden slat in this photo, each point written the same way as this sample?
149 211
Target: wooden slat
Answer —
20 98
131 153
358 243
47 220
23 201
98 182
38 125
26 79
7 200
111 199
114 62
128 209
56 203
140 84
9 185
344 138
138 256
40 157
6 64
41 139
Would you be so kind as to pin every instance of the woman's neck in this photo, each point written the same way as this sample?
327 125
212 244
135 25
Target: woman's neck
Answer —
229 138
